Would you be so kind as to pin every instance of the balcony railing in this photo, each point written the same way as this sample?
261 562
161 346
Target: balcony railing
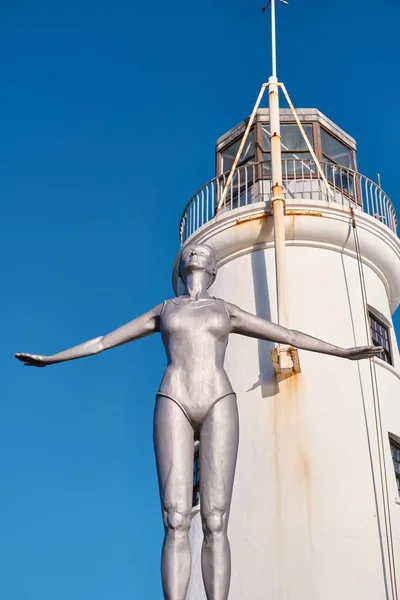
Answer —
301 181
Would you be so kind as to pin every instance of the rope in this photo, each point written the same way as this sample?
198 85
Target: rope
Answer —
378 418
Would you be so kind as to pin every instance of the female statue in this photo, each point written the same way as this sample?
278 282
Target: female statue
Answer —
196 398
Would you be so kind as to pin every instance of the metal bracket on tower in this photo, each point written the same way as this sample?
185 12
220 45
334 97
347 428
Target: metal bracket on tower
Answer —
285 360
278 199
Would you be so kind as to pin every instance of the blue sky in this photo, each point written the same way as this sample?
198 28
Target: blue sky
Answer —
109 113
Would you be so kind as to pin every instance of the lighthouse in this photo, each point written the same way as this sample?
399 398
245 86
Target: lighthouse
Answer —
304 239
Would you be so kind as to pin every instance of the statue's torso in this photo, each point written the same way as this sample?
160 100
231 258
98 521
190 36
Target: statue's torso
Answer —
195 336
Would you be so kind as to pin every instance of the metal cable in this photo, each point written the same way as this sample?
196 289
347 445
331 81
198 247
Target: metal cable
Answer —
378 418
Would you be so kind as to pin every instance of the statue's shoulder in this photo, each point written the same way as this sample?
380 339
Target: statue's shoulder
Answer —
226 305
173 299
166 302
231 309
176 300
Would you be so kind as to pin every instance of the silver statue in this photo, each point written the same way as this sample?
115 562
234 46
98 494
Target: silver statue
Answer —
196 399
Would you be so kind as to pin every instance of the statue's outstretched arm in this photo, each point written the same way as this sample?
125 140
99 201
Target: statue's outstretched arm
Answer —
138 328
245 323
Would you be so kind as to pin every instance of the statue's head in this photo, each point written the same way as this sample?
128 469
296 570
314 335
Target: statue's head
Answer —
198 257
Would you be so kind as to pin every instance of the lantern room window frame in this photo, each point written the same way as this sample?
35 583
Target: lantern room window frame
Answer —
315 119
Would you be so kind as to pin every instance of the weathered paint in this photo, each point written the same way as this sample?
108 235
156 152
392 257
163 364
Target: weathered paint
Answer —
266 213
304 518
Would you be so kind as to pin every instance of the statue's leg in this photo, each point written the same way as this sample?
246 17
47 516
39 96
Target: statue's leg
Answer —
173 444
219 438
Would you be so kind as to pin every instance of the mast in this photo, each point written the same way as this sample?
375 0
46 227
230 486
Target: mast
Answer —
277 200
285 359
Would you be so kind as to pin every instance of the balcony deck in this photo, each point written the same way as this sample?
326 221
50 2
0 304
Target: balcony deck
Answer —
301 181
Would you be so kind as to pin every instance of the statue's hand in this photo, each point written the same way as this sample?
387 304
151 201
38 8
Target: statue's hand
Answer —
32 360
362 352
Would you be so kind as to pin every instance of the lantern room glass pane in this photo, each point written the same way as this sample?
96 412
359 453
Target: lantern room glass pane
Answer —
297 164
301 164
335 150
291 137
228 155
340 178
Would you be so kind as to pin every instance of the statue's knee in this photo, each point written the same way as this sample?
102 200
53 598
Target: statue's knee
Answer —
176 521
214 523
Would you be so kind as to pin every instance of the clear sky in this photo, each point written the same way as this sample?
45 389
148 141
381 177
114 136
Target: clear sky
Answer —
109 113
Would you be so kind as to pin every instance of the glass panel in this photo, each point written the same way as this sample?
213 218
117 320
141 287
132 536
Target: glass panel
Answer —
340 178
299 163
291 137
335 150
241 190
266 144
229 154
267 171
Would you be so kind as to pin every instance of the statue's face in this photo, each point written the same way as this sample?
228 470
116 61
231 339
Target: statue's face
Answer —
197 258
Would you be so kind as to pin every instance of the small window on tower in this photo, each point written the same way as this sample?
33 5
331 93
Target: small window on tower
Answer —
380 337
196 478
395 450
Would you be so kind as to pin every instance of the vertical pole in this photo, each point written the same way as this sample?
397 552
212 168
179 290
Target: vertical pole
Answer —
273 38
277 201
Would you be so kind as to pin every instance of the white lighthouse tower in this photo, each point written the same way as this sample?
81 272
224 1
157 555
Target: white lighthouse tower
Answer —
304 239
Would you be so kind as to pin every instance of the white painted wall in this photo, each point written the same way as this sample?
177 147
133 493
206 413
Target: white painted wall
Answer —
306 522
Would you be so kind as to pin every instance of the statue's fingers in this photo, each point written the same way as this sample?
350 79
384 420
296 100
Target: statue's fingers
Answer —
20 357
